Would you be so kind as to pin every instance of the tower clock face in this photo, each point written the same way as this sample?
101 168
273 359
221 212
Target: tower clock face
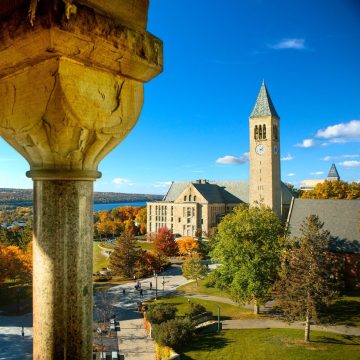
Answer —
260 149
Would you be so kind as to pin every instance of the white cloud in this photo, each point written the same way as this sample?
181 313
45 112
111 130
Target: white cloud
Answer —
317 173
287 157
347 156
233 160
293 43
341 133
291 174
306 143
350 163
122 181
162 184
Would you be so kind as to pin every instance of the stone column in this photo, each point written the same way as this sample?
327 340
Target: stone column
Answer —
71 88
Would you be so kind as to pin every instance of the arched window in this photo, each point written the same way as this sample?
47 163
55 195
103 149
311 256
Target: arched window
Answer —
260 132
256 132
275 131
264 131
185 198
189 197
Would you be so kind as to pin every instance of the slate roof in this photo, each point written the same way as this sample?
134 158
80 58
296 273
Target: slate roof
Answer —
229 191
264 105
333 173
340 218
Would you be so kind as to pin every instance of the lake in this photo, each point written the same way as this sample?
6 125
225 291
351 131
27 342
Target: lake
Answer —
98 207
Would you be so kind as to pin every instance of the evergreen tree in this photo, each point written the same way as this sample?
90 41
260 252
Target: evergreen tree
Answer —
308 275
125 256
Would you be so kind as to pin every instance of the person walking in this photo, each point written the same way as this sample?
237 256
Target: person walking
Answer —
22 331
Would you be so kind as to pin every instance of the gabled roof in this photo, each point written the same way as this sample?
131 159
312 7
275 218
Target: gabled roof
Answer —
333 173
230 192
264 105
340 218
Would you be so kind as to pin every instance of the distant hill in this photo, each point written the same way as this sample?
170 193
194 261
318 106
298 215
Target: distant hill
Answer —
23 197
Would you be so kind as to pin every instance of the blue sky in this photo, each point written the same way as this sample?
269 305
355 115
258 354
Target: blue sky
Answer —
194 122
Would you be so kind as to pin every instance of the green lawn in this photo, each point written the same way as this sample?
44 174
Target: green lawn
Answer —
344 311
279 344
99 259
146 245
227 311
192 288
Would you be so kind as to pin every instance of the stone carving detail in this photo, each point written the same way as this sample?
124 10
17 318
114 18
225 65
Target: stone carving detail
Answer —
60 114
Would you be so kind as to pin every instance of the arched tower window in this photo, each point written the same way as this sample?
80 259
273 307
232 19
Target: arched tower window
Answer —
256 132
275 132
189 197
264 131
260 132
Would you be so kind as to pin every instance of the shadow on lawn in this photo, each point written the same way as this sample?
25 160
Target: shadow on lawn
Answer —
345 312
206 342
344 340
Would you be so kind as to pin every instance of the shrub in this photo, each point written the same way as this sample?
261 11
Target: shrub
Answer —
102 278
196 309
174 333
159 313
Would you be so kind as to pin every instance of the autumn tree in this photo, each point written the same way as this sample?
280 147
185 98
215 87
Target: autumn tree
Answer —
308 275
164 243
248 246
334 190
187 246
140 219
125 256
193 268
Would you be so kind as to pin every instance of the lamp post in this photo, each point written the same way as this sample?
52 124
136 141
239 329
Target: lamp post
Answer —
155 276
163 284
218 329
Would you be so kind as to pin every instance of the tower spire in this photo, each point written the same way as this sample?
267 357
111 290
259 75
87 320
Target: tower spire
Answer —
264 105
333 174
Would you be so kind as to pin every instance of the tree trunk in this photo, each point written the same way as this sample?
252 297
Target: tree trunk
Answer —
256 308
307 327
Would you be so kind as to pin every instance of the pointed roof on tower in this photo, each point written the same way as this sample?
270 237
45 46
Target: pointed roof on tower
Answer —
333 173
264 105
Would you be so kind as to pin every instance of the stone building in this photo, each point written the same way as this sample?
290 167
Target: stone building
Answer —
193 208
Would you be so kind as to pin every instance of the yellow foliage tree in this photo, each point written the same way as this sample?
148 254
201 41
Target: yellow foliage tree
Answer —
187 246
334 190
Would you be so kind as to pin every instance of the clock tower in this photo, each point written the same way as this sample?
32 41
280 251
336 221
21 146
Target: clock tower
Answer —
265 183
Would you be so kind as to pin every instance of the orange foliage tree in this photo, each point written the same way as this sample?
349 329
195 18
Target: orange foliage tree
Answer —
165 243
15 263
187 246
334 190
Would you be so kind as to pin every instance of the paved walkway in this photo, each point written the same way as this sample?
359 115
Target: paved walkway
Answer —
134 344
276 324
12 344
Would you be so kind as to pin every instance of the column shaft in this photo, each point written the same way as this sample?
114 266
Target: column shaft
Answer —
62 283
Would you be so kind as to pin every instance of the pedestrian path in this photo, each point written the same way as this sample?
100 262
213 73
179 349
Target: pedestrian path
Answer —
264 323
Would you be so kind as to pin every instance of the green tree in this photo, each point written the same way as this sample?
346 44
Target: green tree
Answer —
124 258
248 246
193 268
308 277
